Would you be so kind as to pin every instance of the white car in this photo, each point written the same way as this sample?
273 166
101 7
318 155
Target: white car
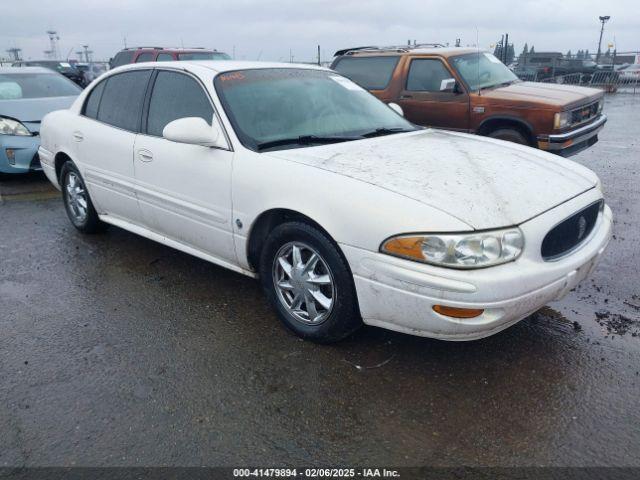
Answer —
346 212
631 73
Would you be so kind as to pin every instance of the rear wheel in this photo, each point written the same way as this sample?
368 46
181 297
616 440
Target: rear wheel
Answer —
510 135
77 202
309 284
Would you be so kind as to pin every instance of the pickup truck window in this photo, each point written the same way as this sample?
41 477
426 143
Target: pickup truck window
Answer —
426 75
482 70
372 73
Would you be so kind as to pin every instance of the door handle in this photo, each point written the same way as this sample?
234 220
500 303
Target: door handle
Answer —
145 155
405 96
78 136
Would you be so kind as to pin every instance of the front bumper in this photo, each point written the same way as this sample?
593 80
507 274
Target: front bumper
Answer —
25 154
573 141
399 294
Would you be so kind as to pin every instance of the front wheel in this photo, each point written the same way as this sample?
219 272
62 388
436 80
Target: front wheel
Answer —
510 135
77 202
309 283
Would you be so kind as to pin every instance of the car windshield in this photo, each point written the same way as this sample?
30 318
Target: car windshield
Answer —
275 107
203 56
482 70
15 86
53 65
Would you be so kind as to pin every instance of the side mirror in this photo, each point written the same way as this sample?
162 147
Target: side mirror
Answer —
195 131
448 85
396 108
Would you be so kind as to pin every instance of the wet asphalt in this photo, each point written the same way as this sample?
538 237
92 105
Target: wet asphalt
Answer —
115 350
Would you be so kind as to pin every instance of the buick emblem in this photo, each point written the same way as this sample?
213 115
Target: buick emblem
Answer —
582 227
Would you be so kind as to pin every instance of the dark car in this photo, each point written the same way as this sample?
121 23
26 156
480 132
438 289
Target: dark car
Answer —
60 66
161 54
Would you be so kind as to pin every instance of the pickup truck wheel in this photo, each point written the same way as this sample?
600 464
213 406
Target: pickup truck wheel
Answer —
77 202
309 283
510 135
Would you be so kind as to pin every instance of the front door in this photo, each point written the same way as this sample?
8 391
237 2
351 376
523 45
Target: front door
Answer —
184 191
424 102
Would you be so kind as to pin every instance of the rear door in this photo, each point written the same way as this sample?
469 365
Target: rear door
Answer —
105 134
423 101
184 191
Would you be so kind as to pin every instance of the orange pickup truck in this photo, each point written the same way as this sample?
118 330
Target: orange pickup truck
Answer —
471 91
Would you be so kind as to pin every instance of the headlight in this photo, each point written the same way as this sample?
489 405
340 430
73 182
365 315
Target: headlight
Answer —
458 250
561 120
13 127
600 105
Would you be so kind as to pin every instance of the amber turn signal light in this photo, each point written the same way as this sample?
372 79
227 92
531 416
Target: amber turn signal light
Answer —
456 312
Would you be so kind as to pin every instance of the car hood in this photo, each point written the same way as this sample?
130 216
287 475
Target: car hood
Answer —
551 94
31 110
483 182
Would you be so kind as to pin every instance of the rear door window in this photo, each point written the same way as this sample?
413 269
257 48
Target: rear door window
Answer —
426 75
372 73
145 57
122 99
176 95
164 57
92 103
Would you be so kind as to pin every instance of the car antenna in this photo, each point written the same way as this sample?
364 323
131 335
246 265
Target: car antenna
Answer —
478 59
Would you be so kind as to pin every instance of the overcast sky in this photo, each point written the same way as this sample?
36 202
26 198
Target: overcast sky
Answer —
270 29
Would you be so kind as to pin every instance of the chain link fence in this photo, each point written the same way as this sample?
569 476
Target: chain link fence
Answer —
606 80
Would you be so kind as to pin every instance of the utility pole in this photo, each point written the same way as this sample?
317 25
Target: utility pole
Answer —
505 48
87 52
603 20
14 53
53 44
318 55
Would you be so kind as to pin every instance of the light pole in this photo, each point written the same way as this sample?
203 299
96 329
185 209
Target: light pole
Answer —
603 20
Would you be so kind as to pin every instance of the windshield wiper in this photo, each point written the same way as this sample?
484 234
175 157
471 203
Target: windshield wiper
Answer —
304 140
378 132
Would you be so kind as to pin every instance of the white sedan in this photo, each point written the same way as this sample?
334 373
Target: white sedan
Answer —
347 212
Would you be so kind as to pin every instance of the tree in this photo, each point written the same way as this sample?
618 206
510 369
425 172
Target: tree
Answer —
511 53
532 51
607 54
525 50
569 54
587 55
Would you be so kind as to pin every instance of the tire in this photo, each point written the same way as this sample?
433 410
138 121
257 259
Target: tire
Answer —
510 135
322 322
75 194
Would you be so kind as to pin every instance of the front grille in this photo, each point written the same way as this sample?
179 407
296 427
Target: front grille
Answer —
570 233
584 113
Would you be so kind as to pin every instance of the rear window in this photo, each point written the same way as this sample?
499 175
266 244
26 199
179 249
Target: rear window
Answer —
122 58
15 86
372 73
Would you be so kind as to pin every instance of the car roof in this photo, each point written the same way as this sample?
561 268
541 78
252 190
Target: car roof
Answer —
218 66
10 70
441 51
172 49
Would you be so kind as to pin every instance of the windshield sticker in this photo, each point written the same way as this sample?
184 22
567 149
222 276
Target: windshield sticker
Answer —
227 77
346 83
491 58
65 64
